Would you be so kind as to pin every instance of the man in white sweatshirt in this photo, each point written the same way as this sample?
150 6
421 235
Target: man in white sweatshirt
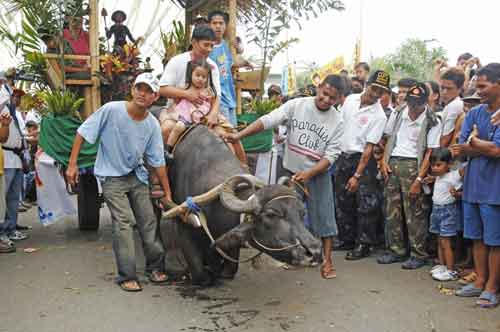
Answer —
313 144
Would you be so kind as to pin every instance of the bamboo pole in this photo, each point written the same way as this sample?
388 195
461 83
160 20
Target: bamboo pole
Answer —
231 33
94 55
188 20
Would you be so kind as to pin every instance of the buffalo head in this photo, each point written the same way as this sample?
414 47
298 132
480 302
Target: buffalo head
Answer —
275 224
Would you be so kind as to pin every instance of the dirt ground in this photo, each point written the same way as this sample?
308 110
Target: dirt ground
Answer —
67 285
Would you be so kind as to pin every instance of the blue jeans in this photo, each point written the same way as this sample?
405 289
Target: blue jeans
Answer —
445 219
13 186
229 114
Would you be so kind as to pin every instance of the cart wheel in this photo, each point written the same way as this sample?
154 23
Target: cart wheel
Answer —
88 203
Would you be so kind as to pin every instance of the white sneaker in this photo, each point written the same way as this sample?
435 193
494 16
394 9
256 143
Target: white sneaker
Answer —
437 269
17 236
447 275
5 239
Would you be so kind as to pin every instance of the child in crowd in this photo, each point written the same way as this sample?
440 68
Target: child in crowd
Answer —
32 133
184 113
199 79
445 215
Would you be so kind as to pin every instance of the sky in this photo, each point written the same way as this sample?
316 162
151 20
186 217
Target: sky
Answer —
456 25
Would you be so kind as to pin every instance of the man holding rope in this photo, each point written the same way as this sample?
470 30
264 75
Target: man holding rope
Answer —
315 128
128 136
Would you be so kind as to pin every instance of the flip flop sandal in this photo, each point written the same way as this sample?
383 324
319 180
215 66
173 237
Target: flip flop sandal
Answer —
330 273
487 300
469 291
127 288
154 278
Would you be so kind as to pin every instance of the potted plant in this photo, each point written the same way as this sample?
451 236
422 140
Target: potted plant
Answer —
263 141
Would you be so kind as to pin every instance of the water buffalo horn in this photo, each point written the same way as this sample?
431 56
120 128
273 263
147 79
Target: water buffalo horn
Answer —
284 180
231 202
202 199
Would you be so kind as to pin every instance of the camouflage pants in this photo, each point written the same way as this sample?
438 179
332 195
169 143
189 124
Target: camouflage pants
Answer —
358 214
406 226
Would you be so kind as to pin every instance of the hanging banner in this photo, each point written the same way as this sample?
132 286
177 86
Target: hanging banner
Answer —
292 79
333 67
284 81
288 80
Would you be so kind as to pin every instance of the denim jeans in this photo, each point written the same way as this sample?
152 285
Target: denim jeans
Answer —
29 187
130 205
13 185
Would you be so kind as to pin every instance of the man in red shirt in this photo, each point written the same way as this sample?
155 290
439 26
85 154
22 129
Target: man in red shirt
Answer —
78 40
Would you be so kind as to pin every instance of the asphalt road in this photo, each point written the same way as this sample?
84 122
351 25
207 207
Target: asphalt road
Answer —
67 285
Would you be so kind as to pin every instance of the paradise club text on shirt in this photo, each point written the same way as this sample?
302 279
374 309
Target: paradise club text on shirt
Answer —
305 139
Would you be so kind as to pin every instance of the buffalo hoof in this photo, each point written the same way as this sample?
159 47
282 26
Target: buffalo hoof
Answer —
227 276
204 280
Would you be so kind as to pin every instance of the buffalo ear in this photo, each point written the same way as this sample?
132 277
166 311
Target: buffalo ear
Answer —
236 237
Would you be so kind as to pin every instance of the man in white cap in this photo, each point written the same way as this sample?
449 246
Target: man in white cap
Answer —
128 137
13 149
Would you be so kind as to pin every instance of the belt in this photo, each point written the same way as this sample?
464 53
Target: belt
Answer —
15 150
122 176
351 154
404 159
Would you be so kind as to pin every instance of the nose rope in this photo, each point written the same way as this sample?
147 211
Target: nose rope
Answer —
275 249
283 248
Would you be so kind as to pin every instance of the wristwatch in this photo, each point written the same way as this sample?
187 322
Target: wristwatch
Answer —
470 139
357 175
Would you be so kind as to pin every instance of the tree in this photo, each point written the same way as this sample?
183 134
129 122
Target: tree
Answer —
269 19
412 59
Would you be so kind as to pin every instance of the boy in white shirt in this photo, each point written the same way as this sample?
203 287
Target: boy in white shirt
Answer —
445 215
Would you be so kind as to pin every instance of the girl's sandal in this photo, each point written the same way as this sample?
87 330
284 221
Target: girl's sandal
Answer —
328 272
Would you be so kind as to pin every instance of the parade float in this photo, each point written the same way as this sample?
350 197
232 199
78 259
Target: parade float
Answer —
71 71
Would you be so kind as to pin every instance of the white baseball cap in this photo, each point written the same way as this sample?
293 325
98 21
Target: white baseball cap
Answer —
150 80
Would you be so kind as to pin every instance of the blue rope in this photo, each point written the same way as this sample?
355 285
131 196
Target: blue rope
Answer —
192 206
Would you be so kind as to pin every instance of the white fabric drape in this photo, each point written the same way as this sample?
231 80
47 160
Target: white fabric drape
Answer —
54 202
145 18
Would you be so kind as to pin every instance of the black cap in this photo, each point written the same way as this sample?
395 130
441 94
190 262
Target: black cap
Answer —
381 79
471 96
418 93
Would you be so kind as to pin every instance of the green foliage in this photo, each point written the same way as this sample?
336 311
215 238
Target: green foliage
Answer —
262 107
412 59
61 103
174 42
40 21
